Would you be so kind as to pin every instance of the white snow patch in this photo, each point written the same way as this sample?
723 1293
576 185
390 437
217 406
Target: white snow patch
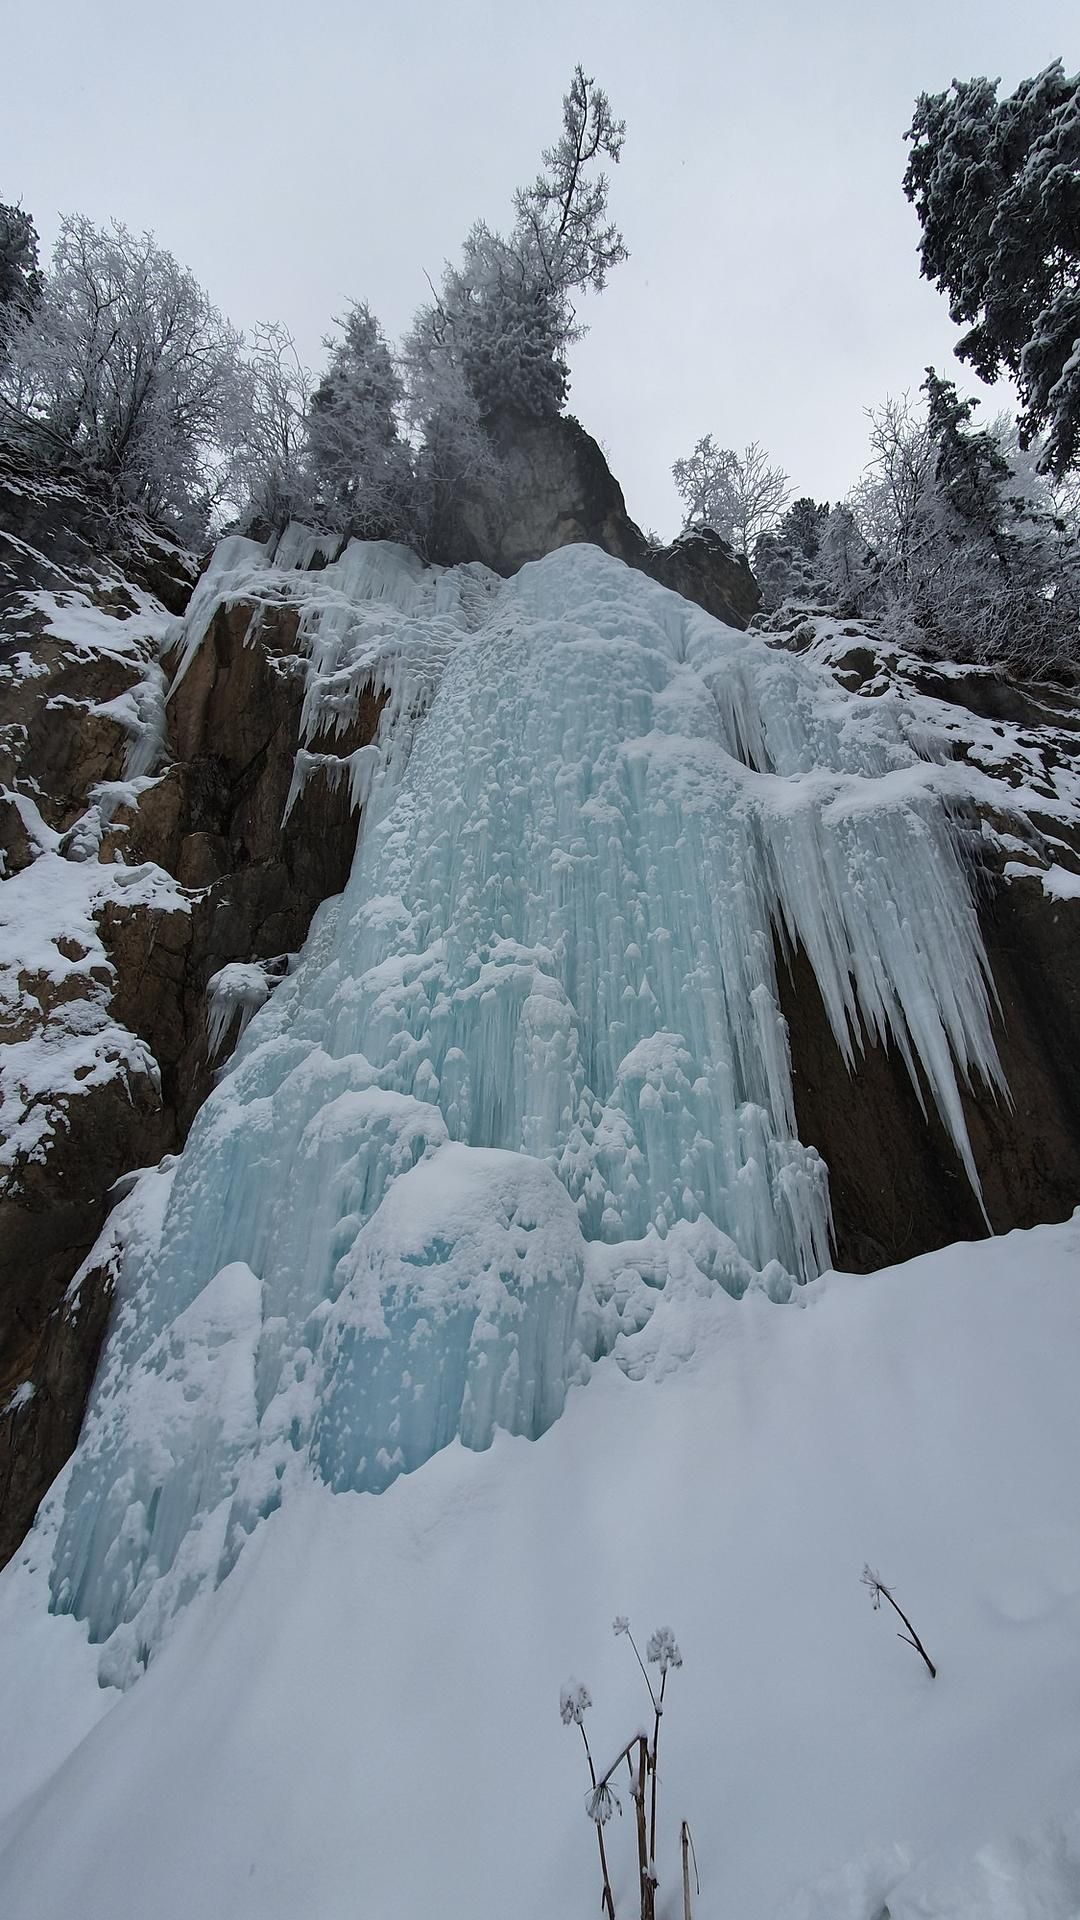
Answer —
371 1699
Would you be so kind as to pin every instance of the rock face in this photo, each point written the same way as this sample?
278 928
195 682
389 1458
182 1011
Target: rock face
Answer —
555 489
123 897
214 819
896 1183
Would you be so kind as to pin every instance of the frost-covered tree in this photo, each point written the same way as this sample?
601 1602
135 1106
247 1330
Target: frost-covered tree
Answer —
786 559
815 555
127 364
846 563
454 452
506 326
496 333
996 185
360 463
971 473
964 556
562 218
739 495
20 275
890 502
270 469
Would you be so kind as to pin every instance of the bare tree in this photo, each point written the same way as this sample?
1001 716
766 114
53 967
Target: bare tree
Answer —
740 495
890 502
269 465
128 364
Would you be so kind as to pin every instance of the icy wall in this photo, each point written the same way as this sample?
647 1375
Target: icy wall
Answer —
530 1071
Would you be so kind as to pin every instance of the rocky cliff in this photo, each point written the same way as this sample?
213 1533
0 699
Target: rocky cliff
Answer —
556 488
155 837
143 851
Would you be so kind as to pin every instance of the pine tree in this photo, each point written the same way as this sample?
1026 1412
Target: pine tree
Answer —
359 461
786 559
996 185
21 280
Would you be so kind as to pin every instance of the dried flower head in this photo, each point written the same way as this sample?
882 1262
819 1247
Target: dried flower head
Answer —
873 1581
620 1624
662 1648
602 1802
574 1701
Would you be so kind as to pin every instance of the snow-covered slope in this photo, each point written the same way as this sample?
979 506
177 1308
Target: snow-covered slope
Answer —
363 1719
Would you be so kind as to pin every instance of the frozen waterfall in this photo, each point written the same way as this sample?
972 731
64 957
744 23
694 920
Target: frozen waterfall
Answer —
530 1071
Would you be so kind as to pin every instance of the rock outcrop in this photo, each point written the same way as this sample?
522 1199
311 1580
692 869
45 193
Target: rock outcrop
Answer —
124 894
896 1183
556 489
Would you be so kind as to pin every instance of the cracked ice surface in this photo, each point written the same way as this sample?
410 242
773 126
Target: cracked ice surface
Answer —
530 1074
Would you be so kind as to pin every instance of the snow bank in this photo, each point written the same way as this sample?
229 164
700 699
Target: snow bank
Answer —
364 1717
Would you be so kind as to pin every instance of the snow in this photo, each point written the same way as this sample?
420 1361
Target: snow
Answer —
240 988
364 1717
55 985
1060 883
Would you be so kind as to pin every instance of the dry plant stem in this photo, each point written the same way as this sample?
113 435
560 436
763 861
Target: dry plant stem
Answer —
687 1847
658 1708
641 1664
657 1705
910 1636
637 1788
607 1899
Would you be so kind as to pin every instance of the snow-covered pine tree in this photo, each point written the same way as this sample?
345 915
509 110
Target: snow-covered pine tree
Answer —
20 276
786 559
814 556
996 185
360 463
846 563
496 332
963 555
970 468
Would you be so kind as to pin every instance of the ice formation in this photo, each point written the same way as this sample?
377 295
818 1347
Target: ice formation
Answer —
233 995
530 1070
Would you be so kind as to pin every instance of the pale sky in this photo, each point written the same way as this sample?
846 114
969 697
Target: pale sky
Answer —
296 155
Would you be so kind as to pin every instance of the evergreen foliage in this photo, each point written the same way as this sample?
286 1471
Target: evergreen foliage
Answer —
360 465
496 333
996 185
20 276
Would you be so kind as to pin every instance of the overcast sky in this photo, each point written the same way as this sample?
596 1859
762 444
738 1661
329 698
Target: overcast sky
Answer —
295 153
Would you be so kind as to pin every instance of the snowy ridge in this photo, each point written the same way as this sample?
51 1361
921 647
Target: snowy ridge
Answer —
530 1075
